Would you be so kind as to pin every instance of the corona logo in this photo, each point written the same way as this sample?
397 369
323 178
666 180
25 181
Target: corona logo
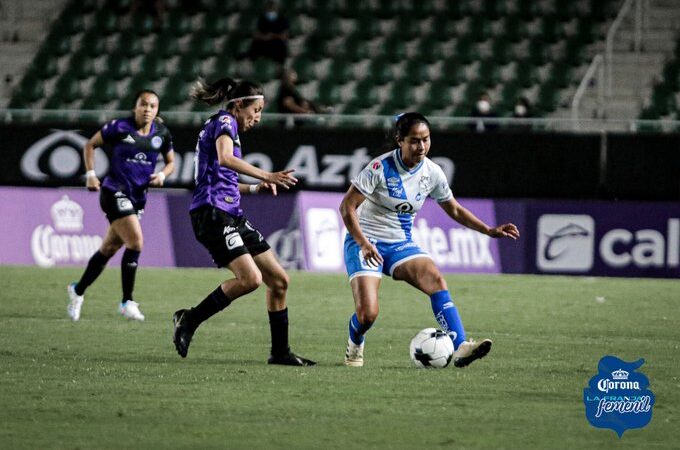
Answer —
620 374
67 215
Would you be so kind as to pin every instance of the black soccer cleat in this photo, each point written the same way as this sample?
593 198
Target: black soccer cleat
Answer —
469 351
184 331
290 359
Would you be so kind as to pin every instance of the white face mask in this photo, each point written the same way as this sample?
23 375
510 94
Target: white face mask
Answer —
271 15
483 106
520 110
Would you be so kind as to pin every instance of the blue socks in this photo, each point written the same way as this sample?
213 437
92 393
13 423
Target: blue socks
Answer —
447 316
357 330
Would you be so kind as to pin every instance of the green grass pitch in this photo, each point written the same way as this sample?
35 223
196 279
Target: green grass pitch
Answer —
107 383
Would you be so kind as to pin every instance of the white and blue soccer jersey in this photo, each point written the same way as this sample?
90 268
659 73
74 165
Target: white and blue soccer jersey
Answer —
394 194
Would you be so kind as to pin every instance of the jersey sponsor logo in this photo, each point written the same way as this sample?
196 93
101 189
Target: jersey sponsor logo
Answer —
404 207
156 142
63 242
233 240
124 204
129 139
139 158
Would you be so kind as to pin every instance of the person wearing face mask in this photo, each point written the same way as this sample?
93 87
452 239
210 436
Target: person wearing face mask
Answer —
522 110
483 109
219 222
271 36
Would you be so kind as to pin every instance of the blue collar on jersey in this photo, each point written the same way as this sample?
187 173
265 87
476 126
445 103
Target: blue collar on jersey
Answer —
403 166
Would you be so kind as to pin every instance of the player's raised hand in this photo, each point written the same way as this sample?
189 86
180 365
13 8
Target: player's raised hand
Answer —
508 230
92 183
283 178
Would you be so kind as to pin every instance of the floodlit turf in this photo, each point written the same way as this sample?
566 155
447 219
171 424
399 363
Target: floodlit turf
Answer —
104 382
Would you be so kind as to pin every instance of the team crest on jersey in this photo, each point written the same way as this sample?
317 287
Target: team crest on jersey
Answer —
424 184
226 120
156 142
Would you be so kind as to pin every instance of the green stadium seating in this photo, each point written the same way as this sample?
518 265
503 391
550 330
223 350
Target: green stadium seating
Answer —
67 90
142 24
329 93
117 66
465 44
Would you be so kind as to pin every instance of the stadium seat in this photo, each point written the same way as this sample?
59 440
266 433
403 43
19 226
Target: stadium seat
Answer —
547 98
67 90
202 46
215 25
177 23
329 93
129 45
117 66
103 91
189 68
93 43
106 22
153 67
81 65
142 24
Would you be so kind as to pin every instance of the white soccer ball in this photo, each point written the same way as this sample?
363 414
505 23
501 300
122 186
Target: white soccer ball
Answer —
431 348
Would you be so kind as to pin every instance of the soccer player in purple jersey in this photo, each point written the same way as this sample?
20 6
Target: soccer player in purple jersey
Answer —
219 223
133 144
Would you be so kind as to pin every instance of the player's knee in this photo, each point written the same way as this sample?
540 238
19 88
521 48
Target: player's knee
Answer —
136 244
279 284
250 281
367 316
109 249
438 282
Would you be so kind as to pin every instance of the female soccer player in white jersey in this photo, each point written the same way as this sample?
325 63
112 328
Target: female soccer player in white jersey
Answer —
378 211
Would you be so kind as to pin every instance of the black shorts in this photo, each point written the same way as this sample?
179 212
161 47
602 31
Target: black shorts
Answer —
226 237
116 205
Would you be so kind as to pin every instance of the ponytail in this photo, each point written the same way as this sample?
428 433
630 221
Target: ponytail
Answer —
224 90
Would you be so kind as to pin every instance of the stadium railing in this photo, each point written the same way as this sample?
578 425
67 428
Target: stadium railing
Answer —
568 125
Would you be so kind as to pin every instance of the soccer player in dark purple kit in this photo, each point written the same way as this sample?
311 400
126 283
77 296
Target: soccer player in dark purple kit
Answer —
133 144
219 222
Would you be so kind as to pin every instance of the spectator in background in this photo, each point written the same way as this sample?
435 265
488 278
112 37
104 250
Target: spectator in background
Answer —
271 36
522 110
483 109
289 100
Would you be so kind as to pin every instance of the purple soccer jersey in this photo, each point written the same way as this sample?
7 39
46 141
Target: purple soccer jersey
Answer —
133 156
216 185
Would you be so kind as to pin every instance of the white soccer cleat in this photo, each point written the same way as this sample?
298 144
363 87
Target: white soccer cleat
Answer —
468 351
354 355
130 310
75 303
